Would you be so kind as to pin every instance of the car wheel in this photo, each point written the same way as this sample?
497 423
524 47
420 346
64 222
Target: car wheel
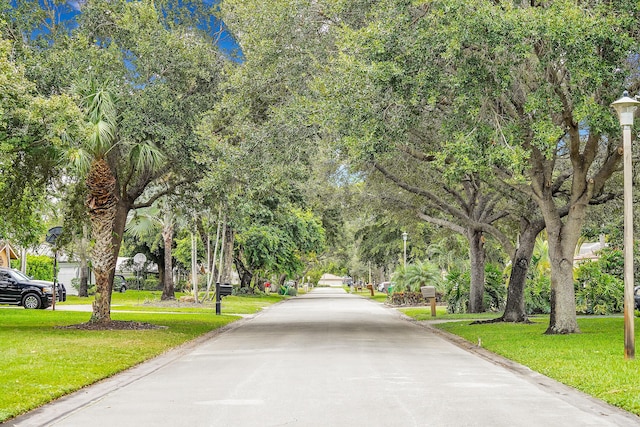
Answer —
31 301
123 288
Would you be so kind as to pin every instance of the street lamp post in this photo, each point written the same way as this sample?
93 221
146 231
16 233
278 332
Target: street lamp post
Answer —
404 257
626 107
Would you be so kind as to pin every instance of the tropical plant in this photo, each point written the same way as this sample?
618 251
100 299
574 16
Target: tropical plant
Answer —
598 292
457 286
537 293
422 273
495 290
101 110
159 218
456 291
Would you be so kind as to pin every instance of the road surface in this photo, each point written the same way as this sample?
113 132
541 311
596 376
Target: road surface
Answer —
326 359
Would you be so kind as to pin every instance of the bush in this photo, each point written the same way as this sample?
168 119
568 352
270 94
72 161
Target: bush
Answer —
456 292
288 290
495 291
406 298
458 284
416 275
151 284
132 282
40 267
75 282
598 292
243 291
537 295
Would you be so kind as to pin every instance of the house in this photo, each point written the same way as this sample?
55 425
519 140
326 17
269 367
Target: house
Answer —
6 254
331 280
589 251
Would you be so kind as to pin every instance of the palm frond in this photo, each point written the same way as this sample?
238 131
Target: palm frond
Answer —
147 156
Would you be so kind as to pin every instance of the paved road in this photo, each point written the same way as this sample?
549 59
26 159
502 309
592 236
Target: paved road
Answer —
326 359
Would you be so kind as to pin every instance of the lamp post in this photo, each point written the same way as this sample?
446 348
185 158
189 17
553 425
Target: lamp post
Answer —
626 107
404 241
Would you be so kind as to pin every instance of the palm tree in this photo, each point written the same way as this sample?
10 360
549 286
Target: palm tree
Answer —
100 108
109 201
148 220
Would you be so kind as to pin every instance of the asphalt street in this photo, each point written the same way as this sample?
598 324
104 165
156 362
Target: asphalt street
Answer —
327 358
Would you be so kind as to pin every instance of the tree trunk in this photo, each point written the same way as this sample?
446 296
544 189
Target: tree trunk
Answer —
245 275
563 319
103 205
83 289
227 261
515 307
168 292
477 256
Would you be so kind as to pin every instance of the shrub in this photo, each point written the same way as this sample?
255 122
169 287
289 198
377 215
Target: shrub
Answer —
495 291
132 282
75 282
40 267
416 275
458 284
406 298
456 292
598 292
243 291
288 290
537 295
151 284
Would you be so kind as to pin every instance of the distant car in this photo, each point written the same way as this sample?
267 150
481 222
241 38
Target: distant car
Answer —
636 295
19 289
119 283
384 286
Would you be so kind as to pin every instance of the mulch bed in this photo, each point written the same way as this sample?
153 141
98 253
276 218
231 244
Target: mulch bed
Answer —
113 325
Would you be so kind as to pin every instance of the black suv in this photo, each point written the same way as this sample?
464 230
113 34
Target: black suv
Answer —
636 295
19 289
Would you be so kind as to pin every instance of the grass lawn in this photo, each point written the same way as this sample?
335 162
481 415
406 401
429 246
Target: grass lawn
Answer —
592 361
149 301
377 296
41 362
424 313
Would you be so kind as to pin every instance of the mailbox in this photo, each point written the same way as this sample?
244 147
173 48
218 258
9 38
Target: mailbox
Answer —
428 291
222 291
225 289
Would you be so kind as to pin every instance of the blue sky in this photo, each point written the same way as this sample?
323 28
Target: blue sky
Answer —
226 42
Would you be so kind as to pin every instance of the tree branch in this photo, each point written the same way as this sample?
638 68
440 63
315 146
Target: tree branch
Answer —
415 190
443 223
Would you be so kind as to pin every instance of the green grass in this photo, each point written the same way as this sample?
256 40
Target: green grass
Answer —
41 362
377 296
592 361
424 313
149 301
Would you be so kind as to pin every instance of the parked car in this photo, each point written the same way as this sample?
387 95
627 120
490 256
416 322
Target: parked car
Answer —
119 283
636 295
19 289
384 287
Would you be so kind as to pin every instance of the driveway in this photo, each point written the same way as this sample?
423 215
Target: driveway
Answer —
327 359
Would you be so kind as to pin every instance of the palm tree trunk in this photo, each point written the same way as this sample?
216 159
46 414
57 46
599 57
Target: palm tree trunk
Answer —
168 292
102 204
